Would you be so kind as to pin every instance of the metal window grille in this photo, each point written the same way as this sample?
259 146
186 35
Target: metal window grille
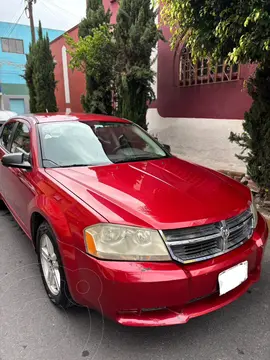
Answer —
203 71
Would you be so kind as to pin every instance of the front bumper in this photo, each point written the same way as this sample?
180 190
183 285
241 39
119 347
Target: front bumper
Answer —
159 294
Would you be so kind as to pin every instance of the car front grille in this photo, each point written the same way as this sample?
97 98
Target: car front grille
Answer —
204 242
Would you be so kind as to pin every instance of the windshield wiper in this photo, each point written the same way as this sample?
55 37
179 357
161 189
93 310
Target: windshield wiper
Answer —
65 166
138 158
74 165
51 161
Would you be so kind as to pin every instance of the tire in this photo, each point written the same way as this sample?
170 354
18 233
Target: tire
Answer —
51 267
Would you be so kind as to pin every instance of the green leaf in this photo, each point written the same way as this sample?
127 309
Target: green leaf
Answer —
257 15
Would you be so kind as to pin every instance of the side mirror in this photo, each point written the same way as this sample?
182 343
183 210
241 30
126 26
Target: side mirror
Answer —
167 147
17 160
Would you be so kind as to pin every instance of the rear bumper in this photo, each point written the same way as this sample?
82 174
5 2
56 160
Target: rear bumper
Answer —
160 294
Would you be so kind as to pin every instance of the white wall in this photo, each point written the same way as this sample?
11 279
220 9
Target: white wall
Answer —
65 74
204 141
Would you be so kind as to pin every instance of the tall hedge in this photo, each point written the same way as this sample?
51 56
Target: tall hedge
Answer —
255 139
39 75
98 97
136 36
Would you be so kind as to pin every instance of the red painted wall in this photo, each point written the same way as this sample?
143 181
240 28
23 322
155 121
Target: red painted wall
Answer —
76 78
113 6
221 101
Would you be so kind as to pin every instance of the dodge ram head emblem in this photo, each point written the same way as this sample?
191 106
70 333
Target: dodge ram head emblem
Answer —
225 234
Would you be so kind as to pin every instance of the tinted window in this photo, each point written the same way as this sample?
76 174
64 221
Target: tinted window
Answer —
21 140
6 134
88 143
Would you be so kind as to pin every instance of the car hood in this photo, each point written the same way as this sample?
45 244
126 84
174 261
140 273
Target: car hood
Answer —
162 194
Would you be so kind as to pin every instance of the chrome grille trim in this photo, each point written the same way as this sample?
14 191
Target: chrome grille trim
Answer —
194 241
194 244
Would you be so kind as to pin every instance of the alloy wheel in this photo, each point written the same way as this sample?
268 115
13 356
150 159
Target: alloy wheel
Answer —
50 265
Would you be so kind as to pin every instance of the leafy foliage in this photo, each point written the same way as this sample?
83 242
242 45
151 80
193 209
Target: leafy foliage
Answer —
237 31
43 75
117 59
256 136
95 16
28 76
93 55
136 35
39 75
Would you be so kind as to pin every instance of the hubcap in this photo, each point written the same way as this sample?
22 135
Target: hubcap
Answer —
50 265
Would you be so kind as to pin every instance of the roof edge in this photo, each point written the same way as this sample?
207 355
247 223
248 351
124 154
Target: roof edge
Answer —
36 27
66 32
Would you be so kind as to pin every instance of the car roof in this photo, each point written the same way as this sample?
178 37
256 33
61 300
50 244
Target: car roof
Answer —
58 117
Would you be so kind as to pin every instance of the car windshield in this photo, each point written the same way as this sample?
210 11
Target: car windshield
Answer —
74 143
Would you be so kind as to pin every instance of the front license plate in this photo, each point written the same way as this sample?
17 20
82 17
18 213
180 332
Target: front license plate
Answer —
233 277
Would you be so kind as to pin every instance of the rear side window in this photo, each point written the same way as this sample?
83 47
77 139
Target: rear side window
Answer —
21 140
6 134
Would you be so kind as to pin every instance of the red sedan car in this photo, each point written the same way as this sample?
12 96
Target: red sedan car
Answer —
122 226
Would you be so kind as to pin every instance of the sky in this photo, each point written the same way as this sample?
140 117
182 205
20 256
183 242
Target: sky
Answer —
54 14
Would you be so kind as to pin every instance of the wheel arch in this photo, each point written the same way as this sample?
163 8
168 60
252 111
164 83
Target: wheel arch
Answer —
36 220
56 223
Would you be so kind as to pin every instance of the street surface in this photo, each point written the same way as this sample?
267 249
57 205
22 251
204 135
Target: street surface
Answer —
32 328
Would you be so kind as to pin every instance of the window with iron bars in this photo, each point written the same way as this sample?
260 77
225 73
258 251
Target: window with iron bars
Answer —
203 71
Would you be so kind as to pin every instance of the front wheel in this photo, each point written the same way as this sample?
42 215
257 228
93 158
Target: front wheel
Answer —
51 267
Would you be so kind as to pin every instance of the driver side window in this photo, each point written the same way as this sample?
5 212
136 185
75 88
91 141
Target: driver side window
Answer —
21 140
6 134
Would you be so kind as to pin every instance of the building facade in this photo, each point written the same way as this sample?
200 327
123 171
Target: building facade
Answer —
196 108
14 45
71 84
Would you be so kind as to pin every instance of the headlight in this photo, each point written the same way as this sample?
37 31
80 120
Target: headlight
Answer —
117 242
254 211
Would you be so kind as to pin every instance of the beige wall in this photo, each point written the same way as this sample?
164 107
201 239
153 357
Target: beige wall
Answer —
204 141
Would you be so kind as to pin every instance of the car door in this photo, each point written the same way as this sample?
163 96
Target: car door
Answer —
20 191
